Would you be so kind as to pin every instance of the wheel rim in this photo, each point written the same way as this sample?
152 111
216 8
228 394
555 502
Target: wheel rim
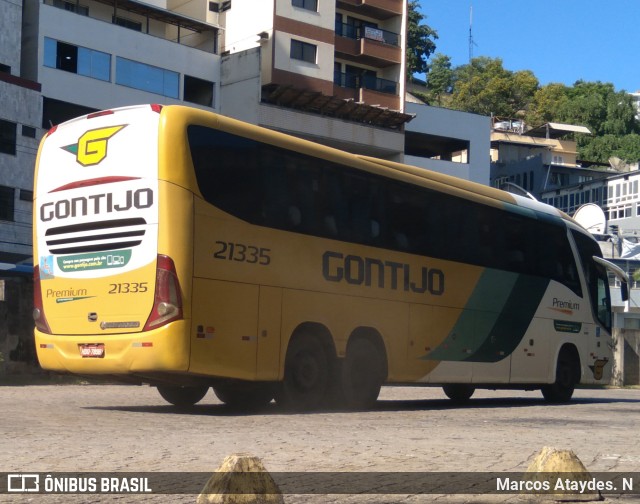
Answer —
306 372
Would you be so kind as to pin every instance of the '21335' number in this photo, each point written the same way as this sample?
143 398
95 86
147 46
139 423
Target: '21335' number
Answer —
242 253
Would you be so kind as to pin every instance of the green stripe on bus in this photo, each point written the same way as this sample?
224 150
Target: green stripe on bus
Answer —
494 319
478 317
514 320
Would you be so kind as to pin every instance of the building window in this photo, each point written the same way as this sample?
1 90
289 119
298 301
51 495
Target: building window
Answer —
198 91
127 23
28 131
26 195
5 68
78 60
311 5
147 78
303 51
220 6
6 203
8 137
71 7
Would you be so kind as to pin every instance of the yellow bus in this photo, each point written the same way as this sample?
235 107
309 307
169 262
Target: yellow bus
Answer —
188 250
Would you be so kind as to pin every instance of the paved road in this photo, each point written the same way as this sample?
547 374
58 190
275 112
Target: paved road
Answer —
80 428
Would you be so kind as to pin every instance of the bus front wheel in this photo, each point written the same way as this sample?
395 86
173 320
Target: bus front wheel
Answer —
182 396
306 375
567 377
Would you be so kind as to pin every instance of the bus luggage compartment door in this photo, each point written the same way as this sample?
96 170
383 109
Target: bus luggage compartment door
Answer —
224 337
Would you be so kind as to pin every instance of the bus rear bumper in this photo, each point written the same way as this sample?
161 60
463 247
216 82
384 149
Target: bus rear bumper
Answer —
163 349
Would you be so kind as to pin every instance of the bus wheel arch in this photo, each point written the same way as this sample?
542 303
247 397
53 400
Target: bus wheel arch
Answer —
364 369
567 375
308 364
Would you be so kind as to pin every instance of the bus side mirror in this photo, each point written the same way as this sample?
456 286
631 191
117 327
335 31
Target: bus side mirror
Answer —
624 291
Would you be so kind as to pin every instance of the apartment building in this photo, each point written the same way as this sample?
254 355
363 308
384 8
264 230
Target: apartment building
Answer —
328 71
618 194
538 159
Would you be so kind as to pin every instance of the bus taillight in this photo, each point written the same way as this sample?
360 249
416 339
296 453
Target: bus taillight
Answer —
167 303
38 308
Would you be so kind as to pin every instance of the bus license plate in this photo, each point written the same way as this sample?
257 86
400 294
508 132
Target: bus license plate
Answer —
95 351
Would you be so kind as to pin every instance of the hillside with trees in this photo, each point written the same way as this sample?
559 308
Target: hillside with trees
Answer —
485 87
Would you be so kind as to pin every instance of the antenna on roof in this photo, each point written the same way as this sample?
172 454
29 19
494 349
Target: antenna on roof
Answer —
471 42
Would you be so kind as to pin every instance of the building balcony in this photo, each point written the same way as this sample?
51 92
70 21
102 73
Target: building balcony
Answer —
377 9
146 19
367 89
368 46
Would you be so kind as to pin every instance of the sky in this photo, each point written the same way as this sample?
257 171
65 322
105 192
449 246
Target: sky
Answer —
558 40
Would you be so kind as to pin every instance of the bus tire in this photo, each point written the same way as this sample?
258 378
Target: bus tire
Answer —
306 374
362 374
244 396
458 392
182 396
567 377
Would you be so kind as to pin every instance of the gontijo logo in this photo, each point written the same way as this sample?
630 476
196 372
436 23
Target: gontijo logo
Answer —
91 148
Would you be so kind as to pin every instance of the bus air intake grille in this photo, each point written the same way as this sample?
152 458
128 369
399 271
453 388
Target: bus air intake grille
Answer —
96 236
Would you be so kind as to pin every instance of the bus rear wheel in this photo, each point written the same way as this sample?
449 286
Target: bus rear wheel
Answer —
567 377
362 374
182 396
306 375
244 396
458 392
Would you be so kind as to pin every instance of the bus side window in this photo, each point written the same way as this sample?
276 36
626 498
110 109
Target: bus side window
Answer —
274 183
335 206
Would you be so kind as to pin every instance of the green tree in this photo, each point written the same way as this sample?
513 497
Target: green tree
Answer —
587 105
485 87
610 116
440 78
545 104
602 148
420 41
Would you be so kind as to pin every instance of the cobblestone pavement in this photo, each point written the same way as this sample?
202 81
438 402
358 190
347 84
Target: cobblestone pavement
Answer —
111 428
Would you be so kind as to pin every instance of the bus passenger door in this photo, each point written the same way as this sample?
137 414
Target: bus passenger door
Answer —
269 333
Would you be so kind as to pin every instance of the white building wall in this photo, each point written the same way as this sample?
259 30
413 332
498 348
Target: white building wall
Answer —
240 85
476 129
244 21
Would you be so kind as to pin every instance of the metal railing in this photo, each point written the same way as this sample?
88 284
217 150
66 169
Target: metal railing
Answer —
358 81
367 32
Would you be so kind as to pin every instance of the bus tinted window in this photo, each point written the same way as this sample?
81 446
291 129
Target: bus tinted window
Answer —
282 189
